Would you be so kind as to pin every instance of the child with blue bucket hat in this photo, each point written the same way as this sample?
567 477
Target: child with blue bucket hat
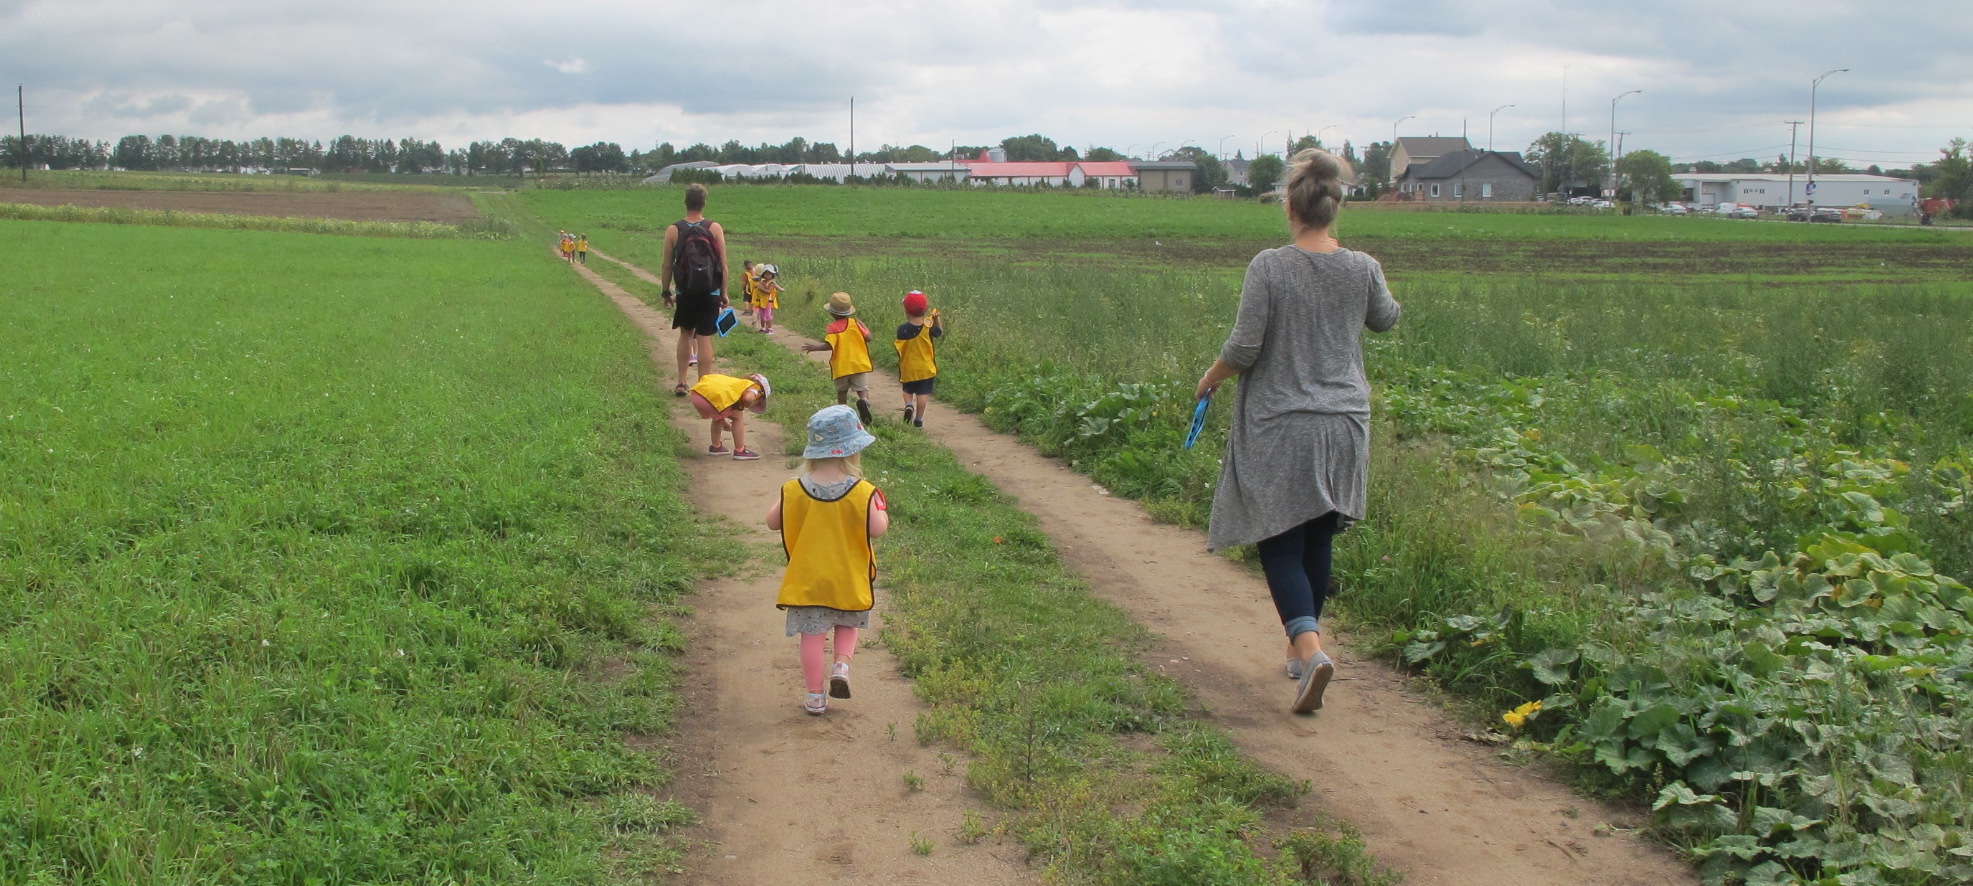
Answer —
829 518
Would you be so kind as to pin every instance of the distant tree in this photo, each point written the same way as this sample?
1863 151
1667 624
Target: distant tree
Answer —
699 152
1566 161
1264 173
1375 172
1031 148
1743 165
1649 176
1302 144
1953 177
1101 155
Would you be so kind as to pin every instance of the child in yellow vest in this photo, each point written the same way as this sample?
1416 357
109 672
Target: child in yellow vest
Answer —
829 518
747 286
848 344
582 247
917 355
767 295
725 400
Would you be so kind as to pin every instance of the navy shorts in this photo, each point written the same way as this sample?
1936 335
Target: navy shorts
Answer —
921 386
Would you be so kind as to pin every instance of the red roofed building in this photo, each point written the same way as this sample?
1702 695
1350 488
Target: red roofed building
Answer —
1109 174
1054 174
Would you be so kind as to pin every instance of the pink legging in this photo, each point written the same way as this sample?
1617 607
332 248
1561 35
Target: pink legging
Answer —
766 316
812 657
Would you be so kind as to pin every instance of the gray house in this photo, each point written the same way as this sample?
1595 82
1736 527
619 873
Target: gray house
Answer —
1469 175
1419 150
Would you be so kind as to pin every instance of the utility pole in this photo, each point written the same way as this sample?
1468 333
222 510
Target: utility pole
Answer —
1793 126
852 137
20 103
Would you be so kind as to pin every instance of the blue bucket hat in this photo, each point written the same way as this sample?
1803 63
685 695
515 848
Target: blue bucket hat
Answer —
835 432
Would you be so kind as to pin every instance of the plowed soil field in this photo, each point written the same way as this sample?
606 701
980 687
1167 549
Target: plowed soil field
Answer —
355 205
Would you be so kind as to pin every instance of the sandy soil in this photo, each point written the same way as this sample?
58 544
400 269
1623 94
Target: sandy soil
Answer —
356 205
785 797
1439 808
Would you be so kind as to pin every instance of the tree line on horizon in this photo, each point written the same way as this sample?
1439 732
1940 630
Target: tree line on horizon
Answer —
1562 160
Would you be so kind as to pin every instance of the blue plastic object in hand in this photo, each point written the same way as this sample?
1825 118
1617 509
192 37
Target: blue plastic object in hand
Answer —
727 320
1198 421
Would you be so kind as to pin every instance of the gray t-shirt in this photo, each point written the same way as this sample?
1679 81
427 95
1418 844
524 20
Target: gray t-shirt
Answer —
1299 446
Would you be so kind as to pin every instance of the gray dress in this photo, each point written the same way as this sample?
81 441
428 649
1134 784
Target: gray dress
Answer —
1300 441
823 619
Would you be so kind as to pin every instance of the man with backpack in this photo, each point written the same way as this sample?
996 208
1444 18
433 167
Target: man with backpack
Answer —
694 258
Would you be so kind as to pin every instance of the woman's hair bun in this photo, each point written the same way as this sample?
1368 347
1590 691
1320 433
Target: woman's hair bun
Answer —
1315 186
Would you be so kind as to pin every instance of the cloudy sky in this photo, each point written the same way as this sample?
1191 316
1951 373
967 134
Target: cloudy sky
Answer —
1719 76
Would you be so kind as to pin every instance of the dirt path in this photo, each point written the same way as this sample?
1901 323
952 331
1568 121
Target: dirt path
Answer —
784 797
1440 809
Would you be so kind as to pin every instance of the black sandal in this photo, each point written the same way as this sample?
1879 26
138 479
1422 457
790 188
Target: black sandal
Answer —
678 390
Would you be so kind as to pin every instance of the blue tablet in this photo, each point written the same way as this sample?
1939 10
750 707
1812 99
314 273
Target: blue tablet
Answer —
727 320
1198 421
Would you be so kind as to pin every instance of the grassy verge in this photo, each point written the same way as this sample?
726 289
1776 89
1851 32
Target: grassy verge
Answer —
326 560
484 229
1101 772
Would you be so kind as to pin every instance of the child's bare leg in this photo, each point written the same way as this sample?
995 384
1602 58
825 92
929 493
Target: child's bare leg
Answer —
718 429
739 432
812 659
924 400
845 643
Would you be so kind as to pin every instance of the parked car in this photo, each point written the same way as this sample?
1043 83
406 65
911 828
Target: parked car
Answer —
1737 210
1602 204
1675 209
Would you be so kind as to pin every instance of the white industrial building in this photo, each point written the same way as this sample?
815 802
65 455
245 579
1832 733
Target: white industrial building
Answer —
1892 196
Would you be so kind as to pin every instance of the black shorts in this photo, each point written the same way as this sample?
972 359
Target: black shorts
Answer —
697 313
921 386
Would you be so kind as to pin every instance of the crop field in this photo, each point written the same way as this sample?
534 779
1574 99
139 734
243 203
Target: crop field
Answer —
326 559
1686 503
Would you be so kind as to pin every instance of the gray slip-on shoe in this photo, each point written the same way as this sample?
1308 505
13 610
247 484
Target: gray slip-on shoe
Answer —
1316 674
1294 668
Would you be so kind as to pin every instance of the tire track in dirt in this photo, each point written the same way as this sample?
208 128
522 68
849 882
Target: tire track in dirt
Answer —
1438 808
784 797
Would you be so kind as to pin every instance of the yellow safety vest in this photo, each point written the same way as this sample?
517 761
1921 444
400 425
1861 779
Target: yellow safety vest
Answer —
917 356
830 560
849 354
747 286
722 391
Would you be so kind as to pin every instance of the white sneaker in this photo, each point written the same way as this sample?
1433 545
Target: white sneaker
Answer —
839 680
817 703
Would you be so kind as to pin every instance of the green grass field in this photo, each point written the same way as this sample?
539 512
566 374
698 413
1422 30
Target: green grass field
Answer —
326 559
1707 502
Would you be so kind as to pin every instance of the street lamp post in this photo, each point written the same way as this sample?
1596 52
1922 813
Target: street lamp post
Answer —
1319 132
1221 153
1611 145
1262 140
1153 153
1391 156
1812 88
1490 124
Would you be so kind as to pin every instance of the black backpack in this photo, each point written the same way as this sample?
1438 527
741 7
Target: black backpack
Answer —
695 264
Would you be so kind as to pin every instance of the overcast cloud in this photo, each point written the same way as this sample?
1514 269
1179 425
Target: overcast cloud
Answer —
1718 84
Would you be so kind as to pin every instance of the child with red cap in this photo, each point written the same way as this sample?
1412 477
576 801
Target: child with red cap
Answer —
917 355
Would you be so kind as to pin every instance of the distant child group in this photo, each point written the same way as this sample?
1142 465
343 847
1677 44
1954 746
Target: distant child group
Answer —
575 247
829 516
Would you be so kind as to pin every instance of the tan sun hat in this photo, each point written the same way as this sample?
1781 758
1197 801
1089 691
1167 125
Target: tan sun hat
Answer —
840 305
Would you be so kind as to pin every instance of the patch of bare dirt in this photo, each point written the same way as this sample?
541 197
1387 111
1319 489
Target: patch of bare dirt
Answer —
352 205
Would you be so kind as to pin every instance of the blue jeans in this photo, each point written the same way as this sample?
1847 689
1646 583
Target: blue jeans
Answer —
1297 563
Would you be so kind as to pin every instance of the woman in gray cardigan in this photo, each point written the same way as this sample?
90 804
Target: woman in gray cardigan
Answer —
1298 455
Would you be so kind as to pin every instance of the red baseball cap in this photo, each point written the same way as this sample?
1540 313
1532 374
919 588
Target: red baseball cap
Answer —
915 303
